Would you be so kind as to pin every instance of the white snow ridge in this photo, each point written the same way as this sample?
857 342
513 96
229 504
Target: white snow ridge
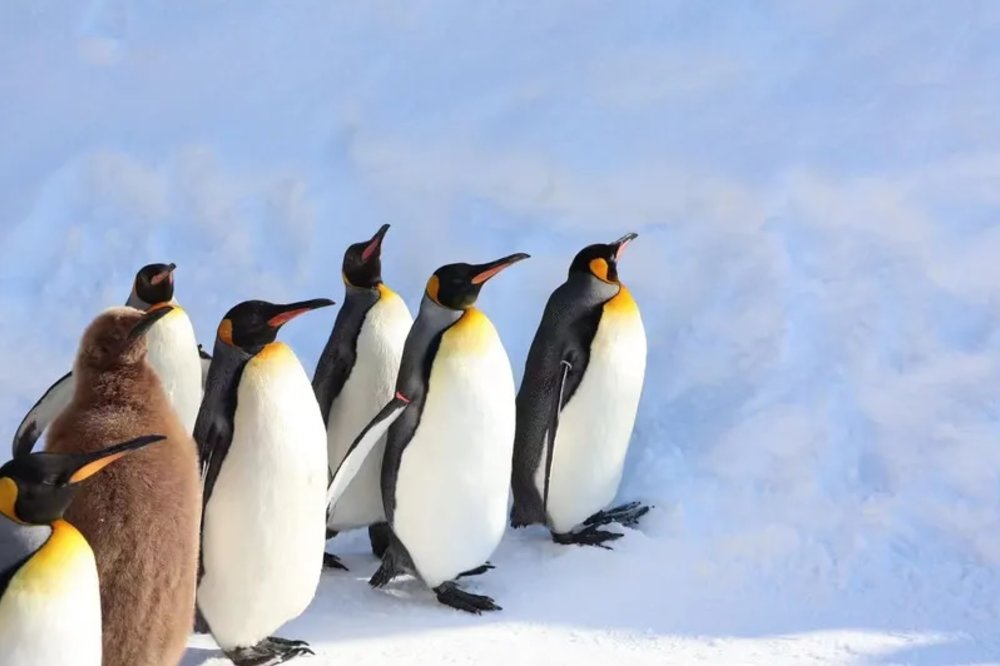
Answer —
815 188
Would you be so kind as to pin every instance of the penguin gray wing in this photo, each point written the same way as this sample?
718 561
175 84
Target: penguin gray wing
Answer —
362 446
38 418
341 350
556 361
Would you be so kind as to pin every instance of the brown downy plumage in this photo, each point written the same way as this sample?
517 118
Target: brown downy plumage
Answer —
141 516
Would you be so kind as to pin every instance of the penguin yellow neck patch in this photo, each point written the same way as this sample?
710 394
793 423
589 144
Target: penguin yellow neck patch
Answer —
8 497
56 564
275 351
384 291
622 303
472 333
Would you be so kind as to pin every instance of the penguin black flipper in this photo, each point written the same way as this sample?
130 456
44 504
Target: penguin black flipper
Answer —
206 364
213 430
557 360
362 446
340 353
38 418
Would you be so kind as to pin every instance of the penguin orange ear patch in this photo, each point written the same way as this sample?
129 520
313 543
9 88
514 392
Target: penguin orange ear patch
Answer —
433 287
8 496
599 267
226 332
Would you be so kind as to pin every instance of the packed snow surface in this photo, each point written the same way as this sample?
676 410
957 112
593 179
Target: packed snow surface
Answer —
816 189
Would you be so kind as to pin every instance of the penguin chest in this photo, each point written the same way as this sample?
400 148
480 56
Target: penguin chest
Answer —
264 526
50 613
452 483
173 354
371 385
596 424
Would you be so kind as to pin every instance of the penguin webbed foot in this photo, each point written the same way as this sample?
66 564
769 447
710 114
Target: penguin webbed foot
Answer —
268 652
450 594
626 514
588 536
478 571
331 561
387 571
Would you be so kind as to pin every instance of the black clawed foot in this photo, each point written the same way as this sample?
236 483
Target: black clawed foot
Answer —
386 572
333 562
626 514
588 536
478 571
380 536
450 595
269 652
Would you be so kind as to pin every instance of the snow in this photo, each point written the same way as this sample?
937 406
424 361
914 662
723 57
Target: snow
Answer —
815 189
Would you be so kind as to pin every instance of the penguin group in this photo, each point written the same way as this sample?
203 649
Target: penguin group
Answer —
237 467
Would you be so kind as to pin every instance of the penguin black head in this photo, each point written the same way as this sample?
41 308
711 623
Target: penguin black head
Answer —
601 259
36 489
154 284
456 286
363 262
116 337
252 325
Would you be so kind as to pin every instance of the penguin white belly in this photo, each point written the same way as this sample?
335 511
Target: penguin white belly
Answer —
595 426
454 475
264 523
173 353
369 387
50 614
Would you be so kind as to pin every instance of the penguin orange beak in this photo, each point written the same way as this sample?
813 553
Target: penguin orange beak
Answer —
167 275
375 244
292 310
485 271
619 245
146 322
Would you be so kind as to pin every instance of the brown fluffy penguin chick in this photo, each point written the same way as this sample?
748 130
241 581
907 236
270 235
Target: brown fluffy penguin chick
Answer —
141 516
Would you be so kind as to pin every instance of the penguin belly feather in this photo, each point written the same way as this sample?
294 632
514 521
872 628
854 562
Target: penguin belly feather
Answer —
453 480
264 529
173 353
370 385
595 426
50 613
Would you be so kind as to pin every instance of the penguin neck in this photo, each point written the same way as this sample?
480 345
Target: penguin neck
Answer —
361 298
591 289
435 317
421 345
135 301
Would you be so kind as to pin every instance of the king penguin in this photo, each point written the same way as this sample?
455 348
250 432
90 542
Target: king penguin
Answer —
356 374
446 469
173 353
141 516
50 601
264 461
577 404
